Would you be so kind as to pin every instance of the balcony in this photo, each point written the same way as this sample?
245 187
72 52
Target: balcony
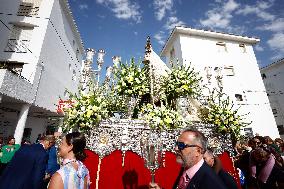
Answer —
17 45
15 86
28 9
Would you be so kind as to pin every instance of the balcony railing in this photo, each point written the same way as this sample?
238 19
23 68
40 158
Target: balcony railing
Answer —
27 9
14 68
17 45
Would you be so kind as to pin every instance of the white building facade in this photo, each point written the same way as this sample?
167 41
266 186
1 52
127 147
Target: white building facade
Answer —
227 61
41 54
273 78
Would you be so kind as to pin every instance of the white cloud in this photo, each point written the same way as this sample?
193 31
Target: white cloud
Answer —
172 22
230 6
259 9
123 9
160 37
161 6
220 16
277 43
258 48
275 26
83 6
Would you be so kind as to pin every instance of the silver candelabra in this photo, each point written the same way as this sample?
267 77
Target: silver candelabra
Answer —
151 150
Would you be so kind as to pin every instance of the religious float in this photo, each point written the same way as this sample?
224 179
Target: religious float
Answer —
133 118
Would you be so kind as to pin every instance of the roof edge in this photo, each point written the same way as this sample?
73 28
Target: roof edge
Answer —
273 64
210 34
66 7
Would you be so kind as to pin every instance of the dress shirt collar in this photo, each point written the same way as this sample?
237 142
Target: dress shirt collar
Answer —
191 171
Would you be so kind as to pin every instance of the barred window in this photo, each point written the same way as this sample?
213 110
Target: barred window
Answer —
29 8
222 47
243 47
74 75
229 71
239 97
274 111
19 39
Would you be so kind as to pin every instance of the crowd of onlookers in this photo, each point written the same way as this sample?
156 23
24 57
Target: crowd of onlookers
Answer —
8 149
35 166
260 162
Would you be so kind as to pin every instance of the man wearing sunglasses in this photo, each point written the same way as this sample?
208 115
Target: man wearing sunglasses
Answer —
195 174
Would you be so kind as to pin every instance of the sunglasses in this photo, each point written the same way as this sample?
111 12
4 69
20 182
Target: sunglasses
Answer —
182 145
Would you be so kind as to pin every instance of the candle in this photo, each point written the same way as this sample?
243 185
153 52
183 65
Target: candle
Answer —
152 155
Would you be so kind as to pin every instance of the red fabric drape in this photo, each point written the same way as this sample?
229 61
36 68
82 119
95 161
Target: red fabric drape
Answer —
133 175
228 166
91 163
113 175
167 175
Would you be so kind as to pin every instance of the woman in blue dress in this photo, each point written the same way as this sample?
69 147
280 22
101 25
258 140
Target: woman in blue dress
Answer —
73 174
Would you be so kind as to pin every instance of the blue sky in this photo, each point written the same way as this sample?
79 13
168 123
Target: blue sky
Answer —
121 26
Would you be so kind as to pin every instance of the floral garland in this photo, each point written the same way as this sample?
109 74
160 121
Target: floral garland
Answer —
132 80
221 112
162 118
183 81
86 112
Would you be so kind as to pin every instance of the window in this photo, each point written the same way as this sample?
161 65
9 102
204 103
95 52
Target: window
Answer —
66 94
280 129
74 75
274 111
243 47
27 9
27 134
239 97
222 47
263 76
19 39
248 132
229 71
77 54
219 72
172 56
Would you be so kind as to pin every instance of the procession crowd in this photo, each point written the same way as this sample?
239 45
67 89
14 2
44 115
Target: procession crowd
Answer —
259 161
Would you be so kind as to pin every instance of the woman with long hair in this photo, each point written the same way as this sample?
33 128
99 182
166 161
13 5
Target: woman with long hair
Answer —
73 174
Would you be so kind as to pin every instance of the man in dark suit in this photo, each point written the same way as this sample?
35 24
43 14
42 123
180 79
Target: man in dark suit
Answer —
27 168
196 174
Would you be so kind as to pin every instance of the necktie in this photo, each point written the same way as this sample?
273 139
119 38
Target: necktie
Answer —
183 181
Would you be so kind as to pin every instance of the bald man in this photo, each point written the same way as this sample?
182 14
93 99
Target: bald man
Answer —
196 174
